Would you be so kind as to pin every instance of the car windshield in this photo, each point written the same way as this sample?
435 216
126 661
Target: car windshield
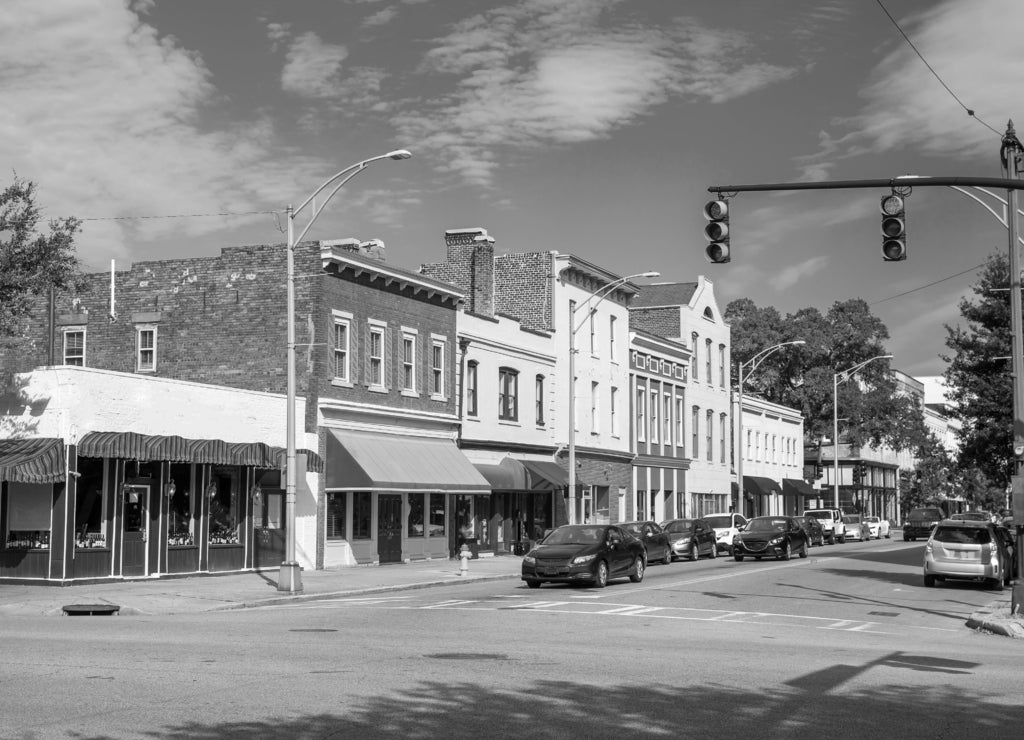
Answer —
722 521
820 514
871 519
680 525
974 516
963 535
766 524
851 520
635 528
575 535
924 514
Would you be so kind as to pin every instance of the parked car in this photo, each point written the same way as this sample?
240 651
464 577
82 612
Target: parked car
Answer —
856 528
971 516
815 532
780 536
585 553
691 538
966 550
831 521
879 527
921 521
655 539
726 526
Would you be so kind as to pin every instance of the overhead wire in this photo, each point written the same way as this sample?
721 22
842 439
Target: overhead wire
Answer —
922 287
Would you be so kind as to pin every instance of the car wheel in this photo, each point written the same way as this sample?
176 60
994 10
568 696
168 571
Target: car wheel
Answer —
996 584
842 539
694 552
803 550
787 552
667 560
888 535
638 570
929 581
601 575
738 558
757 557
532 583
714 551
832 538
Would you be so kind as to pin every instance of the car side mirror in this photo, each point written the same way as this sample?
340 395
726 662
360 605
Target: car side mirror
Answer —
613 541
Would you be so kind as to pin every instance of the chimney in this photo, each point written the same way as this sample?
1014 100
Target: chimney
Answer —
373 248
471 261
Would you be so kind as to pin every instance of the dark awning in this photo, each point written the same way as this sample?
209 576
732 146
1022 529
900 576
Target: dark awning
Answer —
797 487
759 485
172 448
507 475
366 461
547 476
38 460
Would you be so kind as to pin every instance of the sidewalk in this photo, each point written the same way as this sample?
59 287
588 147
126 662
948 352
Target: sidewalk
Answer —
195 594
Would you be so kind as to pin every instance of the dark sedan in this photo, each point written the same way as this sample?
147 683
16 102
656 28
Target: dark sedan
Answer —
585 553
812 527
655 539
691 538
778 536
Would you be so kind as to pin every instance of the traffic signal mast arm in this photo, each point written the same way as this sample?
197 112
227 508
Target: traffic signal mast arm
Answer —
911 180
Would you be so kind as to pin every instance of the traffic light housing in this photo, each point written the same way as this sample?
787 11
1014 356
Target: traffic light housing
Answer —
717 231
894 228
856 472
819 470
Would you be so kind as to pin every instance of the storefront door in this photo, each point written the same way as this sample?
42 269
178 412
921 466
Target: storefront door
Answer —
389 528
133 552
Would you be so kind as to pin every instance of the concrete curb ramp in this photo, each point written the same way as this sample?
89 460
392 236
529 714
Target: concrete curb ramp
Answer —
998 621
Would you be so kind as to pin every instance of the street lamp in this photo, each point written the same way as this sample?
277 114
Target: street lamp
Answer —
290 578
845 375
573 328
752 364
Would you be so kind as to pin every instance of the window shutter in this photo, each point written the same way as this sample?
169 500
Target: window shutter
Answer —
389 353
367 375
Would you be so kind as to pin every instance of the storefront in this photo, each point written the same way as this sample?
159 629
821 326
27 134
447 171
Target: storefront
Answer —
528 500
122 505
796 495
395 497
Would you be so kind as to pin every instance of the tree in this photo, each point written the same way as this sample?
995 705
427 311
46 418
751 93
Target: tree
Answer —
979 375
31 262
801 376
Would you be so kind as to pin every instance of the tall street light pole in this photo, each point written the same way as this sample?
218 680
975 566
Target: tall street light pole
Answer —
750 366
845 375
600 295
290 578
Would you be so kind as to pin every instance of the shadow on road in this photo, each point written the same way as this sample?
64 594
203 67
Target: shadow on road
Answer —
561 709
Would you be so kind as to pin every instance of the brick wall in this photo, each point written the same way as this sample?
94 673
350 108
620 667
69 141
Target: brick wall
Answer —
469 265
523 288
664 322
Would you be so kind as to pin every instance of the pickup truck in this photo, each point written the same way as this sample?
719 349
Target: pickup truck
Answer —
831 521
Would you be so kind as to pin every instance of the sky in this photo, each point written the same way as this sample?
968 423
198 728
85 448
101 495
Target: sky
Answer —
177 128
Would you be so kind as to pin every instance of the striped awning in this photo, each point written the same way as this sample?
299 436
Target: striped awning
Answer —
134 446
39 460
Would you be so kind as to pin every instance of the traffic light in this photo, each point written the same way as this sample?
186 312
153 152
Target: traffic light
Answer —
717 231
856 472
894 228
818 470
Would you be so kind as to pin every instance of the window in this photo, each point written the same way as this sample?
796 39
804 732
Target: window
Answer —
775 456
613 408
538 391
89 522
437 368
710 433
375 351
471 388
508 394
437 517
694 421
611 338
666 418
416 520
721 436
342 347
693 358
593 331
225 492
362 509
595 409
721 365
409 362
707 360
654 416
74 346
28 515
145 344
641 418
179 506
336 515
681 423
746 455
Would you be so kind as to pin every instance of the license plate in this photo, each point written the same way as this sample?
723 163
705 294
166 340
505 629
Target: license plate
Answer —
963 555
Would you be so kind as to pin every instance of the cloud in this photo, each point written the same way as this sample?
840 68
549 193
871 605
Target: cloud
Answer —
542 73
974 48
792 275
313 68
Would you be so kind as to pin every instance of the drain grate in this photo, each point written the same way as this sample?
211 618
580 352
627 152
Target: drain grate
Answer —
314 629
467 656
884 614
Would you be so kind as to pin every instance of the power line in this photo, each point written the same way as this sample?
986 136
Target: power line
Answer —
922 287
970 112
177 215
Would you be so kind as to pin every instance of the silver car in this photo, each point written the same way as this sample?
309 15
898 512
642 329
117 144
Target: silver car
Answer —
966 550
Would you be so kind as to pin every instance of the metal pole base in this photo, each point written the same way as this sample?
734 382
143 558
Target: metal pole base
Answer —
1017 599
290 578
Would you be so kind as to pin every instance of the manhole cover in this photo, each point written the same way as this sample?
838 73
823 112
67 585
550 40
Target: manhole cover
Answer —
468 656
314 629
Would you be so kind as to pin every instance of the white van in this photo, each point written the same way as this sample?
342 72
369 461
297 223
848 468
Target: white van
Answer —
727 525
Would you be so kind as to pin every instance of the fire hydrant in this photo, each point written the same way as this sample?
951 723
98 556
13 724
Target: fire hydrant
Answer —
464 559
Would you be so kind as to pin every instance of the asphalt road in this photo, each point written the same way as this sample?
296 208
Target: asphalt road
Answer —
844 644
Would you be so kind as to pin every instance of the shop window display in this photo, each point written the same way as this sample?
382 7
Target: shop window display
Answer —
180 521
224 505
28 516
90 526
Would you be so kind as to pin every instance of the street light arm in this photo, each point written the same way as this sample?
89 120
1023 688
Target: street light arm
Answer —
752 364
602 294
844 375
358 167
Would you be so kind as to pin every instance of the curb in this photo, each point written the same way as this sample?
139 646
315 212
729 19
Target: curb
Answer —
301 597
997 621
